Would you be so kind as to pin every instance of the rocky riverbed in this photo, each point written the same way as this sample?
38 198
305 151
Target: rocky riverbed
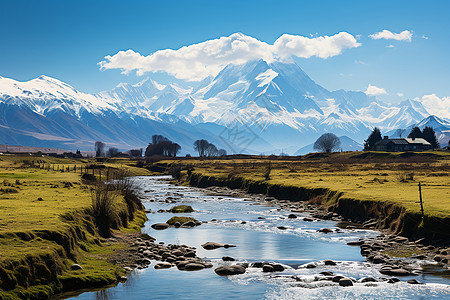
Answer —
285 248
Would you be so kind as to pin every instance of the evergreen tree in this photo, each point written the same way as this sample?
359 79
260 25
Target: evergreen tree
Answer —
415 133
430 136
373 138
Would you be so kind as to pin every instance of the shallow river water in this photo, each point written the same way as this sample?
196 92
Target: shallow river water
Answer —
257 240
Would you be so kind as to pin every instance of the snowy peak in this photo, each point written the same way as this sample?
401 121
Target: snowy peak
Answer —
436 123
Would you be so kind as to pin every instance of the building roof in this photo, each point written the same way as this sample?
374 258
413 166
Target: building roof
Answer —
417 141
405 141
394 141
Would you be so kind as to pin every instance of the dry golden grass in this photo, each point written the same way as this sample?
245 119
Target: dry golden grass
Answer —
389 177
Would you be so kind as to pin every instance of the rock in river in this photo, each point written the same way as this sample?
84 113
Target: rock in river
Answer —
160 226
325 230
214 245
163 265
230 270
345 282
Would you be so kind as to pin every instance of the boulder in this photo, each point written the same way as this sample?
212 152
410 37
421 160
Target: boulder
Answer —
281 227
194 267
368 279
378 259
292 216
345 282
212 245
394 272
393 280
189 224
230 270
311 266
268 268
337 278
413 281
181 209
329 262
228 258
325 230
177 225
163 265
355 243
160 226
306 219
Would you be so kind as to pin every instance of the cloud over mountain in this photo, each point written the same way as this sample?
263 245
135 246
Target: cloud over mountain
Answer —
405 35
198 61
436 106
374 90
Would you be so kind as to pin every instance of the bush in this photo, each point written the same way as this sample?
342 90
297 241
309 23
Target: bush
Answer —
103 199
175 171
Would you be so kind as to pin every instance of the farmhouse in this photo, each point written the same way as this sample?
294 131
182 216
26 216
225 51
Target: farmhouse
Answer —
404 144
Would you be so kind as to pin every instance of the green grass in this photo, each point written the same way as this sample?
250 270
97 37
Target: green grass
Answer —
33 229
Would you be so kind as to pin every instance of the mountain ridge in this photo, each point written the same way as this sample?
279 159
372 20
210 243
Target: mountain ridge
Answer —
277 103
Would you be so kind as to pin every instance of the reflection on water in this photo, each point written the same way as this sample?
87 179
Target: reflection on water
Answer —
253 228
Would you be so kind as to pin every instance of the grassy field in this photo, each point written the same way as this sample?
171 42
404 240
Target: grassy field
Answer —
42 217
387 177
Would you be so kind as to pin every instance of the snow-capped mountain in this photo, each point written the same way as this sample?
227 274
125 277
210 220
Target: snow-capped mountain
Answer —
252 107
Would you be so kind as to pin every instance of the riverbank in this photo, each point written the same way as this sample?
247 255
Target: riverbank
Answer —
343 188
378 187
49 237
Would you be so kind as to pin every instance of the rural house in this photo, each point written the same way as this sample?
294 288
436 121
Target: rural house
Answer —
403 144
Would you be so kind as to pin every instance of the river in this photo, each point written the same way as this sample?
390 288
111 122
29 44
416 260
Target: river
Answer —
257 239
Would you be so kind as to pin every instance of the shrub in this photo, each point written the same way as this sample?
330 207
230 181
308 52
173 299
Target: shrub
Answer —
103 199
175 171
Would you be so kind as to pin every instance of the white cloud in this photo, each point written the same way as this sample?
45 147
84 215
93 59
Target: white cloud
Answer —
390 46
424 37
405 35
196 62
374 91
435 105
400 94
360 62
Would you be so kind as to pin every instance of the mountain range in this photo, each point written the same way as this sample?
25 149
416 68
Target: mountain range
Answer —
250 108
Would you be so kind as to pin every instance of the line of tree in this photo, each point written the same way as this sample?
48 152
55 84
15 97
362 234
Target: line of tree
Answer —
161 145
207 149
114 152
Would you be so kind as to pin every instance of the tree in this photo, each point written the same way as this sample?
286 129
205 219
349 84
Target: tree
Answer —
135 152
430 136
327 142
211 150
222 152
415 133
113 152
200 146
162 146
99 149
373 138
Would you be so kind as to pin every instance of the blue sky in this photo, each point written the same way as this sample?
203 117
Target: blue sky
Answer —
67 39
